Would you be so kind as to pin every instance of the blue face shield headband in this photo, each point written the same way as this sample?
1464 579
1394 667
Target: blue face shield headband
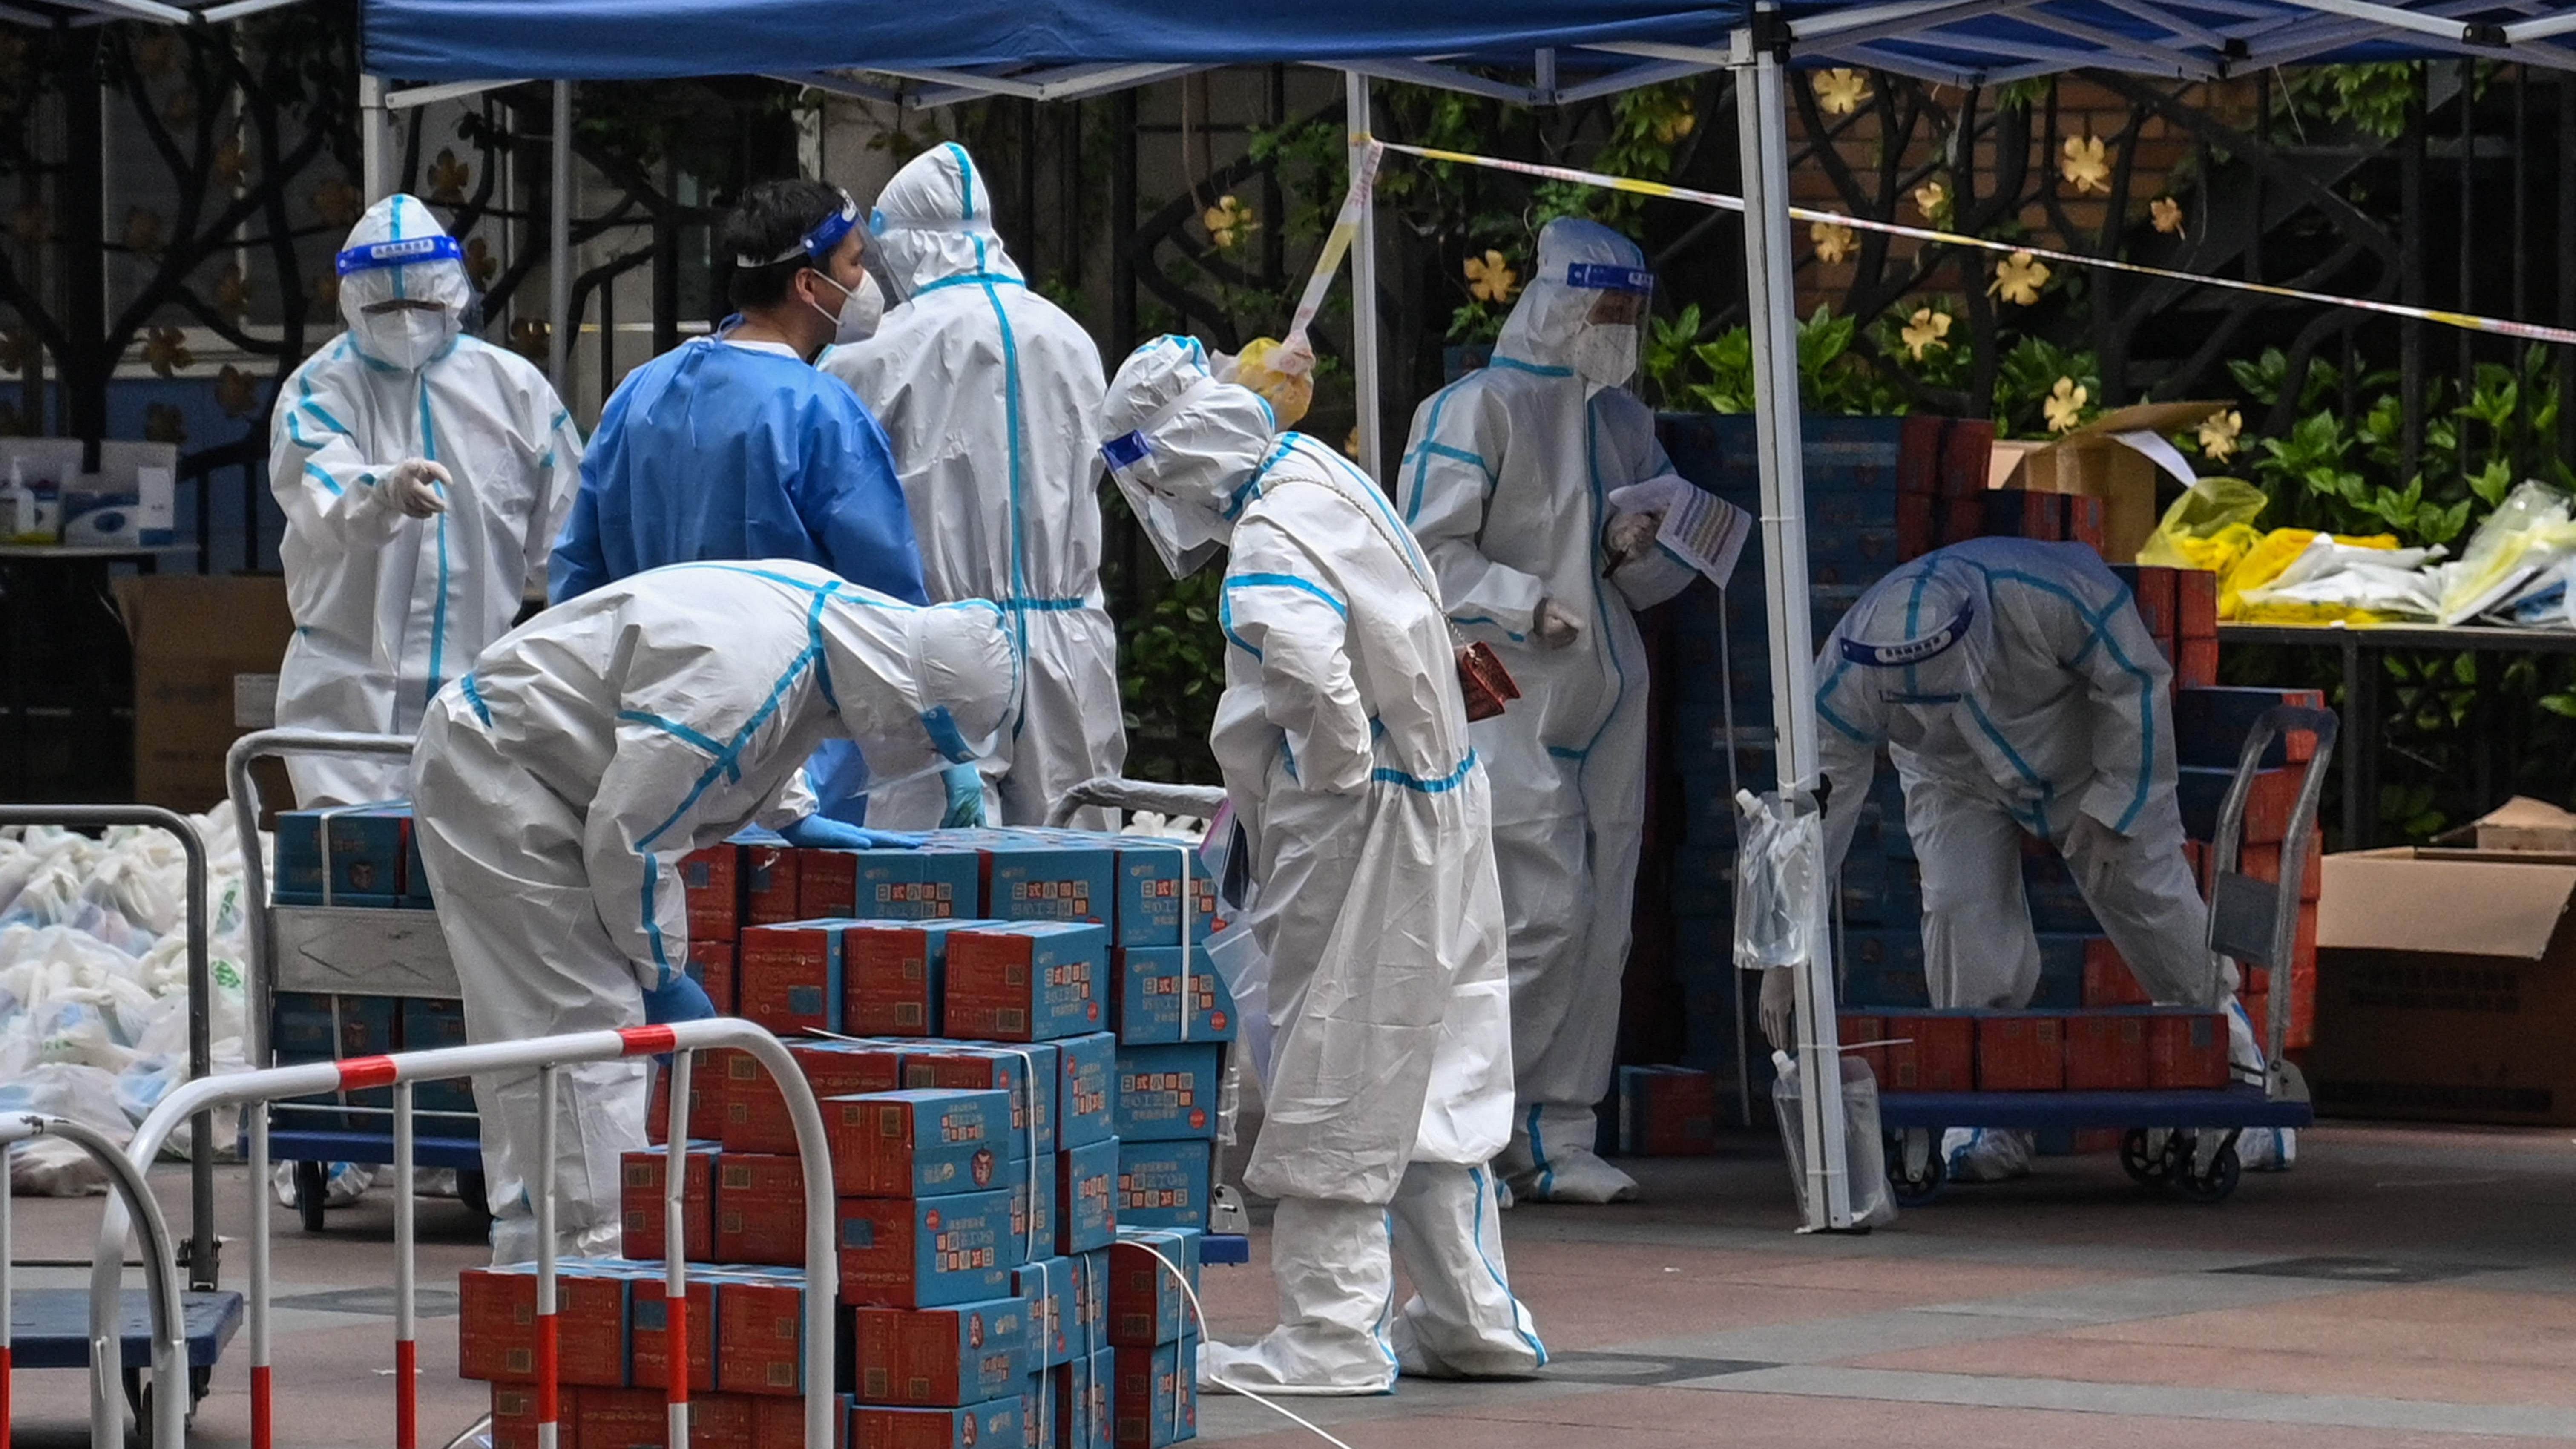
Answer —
817 244
410 251
1603 277
1912 651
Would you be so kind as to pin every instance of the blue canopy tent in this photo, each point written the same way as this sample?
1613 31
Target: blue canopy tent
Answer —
1535 52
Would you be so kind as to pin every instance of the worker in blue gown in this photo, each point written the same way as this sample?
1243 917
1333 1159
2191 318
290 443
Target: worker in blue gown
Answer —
733 447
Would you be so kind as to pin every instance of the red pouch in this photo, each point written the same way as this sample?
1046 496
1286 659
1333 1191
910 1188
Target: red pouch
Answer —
1485 682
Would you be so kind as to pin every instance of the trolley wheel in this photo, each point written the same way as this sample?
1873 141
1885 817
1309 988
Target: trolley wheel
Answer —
2214 1185
476 1193
1914 1190
310 1194
139 1391
2147 1165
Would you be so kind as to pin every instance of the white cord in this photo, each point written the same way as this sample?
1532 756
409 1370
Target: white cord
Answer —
1200 1317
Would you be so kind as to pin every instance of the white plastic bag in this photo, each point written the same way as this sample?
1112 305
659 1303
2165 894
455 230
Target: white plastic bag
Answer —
49 1166
1779 881
1864 1155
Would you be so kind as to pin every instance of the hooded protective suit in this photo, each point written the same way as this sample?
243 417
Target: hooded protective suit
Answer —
1343 741
2017 691
388 607
1506 481
987 392
561 781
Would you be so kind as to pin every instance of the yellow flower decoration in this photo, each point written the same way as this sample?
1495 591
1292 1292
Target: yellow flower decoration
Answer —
1490 278
1834 241
166 350
232 292
2218 433
1933 200
1229 223
480 265
2168 215
2064 404
232 161
143 231
2018 279
1675 124
2086 167
338 203
1840 91
236 392
448 178
1925 330
1351 444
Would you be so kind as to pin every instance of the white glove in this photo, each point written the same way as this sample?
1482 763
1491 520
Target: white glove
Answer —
1555 627
414 486
1631 534
1780 1008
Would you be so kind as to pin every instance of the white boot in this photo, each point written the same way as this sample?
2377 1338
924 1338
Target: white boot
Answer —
1985 1154
1462 1322
1336 1277
1550 1159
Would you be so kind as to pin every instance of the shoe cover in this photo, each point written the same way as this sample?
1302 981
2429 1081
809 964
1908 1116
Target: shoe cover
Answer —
514 1240
2244 1048
2268 1149
1278 1366
1334 1264
343 1183
1576 1174
1986 1154
1462 1322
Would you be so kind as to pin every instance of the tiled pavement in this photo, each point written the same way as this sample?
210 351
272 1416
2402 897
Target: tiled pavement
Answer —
2403 1287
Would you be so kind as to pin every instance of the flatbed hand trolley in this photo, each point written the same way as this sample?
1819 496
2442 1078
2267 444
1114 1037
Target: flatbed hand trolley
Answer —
49 1328
340 950
2182 1140
1225 1243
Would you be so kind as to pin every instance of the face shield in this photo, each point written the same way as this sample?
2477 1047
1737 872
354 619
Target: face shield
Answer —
1605 349
964 675
1184 449
403 290
1924 642
1585 303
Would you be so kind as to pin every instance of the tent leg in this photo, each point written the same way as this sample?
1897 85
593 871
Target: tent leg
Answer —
559 248
1762 125
374 164
1364 318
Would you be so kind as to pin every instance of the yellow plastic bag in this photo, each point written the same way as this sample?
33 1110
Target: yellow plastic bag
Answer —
2210 526
1282 374
2265 561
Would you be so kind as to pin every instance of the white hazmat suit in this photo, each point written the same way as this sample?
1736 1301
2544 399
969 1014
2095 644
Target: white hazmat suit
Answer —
2017 691
987 392
1343 740
559 783
423 474
1507 482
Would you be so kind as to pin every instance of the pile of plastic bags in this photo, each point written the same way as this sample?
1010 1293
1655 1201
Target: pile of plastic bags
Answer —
2515 569
94 984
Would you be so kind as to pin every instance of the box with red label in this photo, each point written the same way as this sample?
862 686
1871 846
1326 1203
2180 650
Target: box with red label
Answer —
1027 980
2152 590
642 1178
760 1208
1146 1304
926 1252
1086 1068
711 966
984 1426
620 1418
514 1419
496 1319
1864 1036
928 1143
1163 1184
1149 892
760 1332
648 1350
1090 1383
1086 1196
1048 1285
1034 875
965 1353
1930 1051
754 1116
727 1421
767 866
2186 1049
1154 1400
1664 1111
1167 1092
707 1070
2021 1052
1091 1298
788 976
891 977
933 883
1037 1408
1034 1205
2195 604
2108 981
712 879
2106 1051
1148 991
1026 1071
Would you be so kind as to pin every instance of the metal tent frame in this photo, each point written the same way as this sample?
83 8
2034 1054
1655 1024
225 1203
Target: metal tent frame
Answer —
1955 42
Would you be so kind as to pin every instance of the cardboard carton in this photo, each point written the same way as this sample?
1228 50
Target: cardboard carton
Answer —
942 1357
984 1426
753 1116
760 1333
1146 1304
788 975
196 637
1086 1069
933 1143
1027 980
1086 1196
1027 1072
760 1209
2524 824
648 1347
2114 458
2021 1052
642 1209
926 1252
1163 1184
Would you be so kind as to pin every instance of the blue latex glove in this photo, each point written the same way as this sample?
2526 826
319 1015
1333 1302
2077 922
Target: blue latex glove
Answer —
965 797
821 832
679 999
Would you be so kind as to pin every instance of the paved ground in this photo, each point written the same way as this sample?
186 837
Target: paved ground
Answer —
2401 1288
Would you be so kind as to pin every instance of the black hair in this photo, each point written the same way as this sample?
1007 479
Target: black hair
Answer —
772 217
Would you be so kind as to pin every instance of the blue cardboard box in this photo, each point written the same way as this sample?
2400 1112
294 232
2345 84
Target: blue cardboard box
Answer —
938 1356
303 1026
1035 1205
1146 1304
1166 1093
428 1024
1026 1070
1027 980
994 1425
1047 1283
371 856
937 882
1163 1184
367 1026
926 1252
1086 1067
1087 1196
1048 876
1154 1401
1156 1001
1149 892
924 1143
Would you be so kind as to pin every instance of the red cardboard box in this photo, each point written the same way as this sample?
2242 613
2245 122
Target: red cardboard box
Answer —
2196 663
891 974
1918 454
1028 1073
780 1422
648 1352
1930 1052
1027 980
2195 604
2021 1053
496 1312
760 1334
789 976
2084 521
621 1418
942 1357
641 1209
760 1209
1918 525
514 1419
706 1099
754 1117
2263 862
769 885
2106 1051
985 1426
2108 981
730 1421
711 965
926 1143
926 1252
2186 1049
1852 1029
1967 457
2152 589
713 880
1962 517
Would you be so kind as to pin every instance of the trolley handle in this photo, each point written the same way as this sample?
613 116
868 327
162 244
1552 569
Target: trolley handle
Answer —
1119 793
2258 921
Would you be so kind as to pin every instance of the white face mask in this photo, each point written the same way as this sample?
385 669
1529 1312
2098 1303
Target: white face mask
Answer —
1605 353
408 337
861 309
